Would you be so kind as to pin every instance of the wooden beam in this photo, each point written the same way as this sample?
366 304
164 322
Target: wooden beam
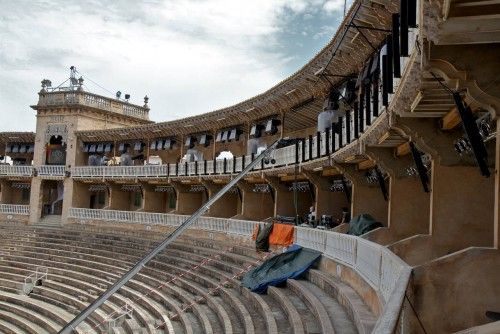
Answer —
300 177
331 172
384 137
450 120
367 164
403 149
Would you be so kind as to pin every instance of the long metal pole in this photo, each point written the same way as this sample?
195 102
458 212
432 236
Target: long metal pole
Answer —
69 327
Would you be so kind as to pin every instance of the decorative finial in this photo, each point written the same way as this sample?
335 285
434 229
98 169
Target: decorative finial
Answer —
46 83
146 99
80 83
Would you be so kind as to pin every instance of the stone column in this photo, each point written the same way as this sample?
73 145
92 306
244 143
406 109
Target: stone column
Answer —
255 206
154 201
35 200
409 204
227 206
365 198
327 202
187 202
462 201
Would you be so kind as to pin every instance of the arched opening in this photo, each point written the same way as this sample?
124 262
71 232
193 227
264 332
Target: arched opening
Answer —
228 155
56 151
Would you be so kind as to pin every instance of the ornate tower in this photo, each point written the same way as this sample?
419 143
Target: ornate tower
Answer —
61 112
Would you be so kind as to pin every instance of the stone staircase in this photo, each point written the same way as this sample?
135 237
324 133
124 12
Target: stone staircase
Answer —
50 221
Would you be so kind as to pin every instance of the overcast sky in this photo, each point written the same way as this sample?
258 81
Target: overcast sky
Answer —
188 56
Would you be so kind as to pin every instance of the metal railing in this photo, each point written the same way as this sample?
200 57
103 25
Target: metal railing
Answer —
386 273
383 270
7 170
14 209
34 279
51 170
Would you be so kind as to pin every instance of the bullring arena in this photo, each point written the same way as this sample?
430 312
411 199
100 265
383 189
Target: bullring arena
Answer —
395 119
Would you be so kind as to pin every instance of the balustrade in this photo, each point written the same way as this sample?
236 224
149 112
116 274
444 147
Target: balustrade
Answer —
8 170
51 170
15 209
92 100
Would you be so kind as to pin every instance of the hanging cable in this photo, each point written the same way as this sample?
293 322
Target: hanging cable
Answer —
95 83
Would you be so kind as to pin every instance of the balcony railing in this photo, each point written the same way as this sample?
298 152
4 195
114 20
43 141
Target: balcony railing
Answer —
7 170
230 226
316 146
385 272
14 209
51 170
92 100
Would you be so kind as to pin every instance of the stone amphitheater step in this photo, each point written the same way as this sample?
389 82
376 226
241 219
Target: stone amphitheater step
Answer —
52 314
85 263
9 328
236 301
337 315
358 311
23 323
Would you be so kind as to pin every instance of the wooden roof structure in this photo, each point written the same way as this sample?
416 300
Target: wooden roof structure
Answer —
299 98
16 137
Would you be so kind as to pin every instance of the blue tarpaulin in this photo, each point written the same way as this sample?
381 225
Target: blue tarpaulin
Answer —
290 264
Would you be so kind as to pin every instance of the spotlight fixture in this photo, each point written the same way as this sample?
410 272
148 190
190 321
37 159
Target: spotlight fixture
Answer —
337 186
261 188
132 188
165 189
302 186
98 188
331 104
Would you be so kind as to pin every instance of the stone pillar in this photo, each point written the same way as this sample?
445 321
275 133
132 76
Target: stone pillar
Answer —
365 198
35 200
118 199
327 202
67 198
6 192
187 202
284 199
227 206
409 204
462 201
154 201
255 206
462 208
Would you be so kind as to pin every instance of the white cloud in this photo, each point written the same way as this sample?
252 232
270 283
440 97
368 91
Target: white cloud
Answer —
188 56
333 5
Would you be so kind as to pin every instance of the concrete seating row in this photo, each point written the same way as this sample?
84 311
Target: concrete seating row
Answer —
172 294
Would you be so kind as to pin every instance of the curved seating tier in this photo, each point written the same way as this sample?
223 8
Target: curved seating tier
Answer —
192 287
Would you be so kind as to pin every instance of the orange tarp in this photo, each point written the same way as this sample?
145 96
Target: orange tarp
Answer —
281 235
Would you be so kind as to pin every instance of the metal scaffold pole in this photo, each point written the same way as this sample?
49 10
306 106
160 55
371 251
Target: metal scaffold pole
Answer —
69 327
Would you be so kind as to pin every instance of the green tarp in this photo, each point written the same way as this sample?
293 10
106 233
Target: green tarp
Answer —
362 224
291 264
